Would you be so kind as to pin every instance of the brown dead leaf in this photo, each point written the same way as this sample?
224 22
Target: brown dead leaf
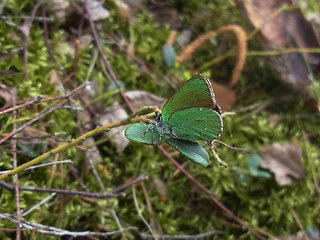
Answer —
116 112
161 188
128 8
111 114
163 14
274 119
10 73
93 153
140 99
225 97
286 29
6 96
284 160
55 80
33 135
59 8
85 124
184 38
97 11
299 236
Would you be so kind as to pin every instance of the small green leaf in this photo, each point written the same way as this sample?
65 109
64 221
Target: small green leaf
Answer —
242 176
191 150
169 56
253 166
145 133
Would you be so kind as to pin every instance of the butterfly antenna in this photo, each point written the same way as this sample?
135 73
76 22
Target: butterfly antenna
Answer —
232 148
157 111
145 110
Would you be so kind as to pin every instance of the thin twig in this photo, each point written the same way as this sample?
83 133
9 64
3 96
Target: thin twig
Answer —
96 175
139 212
51 135
14 156
113 193
296 217
74 173
121 229
43 201
71 144
104 57
46 36
63 191
149 209
42 165
49 164
113 213
195 236
142 65
10 150
14 230
3 3
30 102
140 178
211 195
26 32
76 47
27 17
231 147
33 120
40 99
59 105
283 51
57 231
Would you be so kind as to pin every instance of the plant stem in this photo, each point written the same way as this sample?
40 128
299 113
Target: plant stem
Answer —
74 142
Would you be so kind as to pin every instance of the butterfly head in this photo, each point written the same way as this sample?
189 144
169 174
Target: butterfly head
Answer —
158 119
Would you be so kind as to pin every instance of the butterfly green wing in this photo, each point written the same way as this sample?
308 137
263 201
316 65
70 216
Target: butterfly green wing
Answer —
196 124
191 150
145 133
197 92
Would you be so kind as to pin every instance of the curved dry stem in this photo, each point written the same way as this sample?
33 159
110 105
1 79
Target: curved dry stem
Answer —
171 38
242 48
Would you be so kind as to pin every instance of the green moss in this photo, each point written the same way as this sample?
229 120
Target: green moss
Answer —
261 202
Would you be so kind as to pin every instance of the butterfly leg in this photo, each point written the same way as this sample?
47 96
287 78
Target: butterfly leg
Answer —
173 133
231 147
214 152
149 128
161 133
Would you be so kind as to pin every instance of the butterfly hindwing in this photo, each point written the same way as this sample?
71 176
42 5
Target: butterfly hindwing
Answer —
196 124
191 150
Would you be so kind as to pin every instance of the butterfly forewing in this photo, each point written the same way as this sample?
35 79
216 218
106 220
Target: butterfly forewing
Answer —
196 124
197 92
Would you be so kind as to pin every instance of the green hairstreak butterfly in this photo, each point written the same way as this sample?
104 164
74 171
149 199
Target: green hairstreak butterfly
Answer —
191 114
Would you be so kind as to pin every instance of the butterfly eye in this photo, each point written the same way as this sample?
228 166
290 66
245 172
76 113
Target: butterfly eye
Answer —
157 118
